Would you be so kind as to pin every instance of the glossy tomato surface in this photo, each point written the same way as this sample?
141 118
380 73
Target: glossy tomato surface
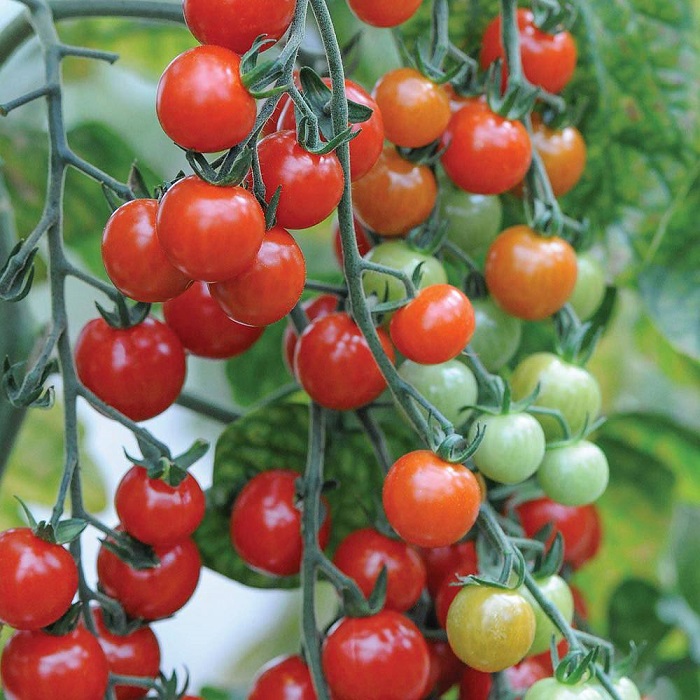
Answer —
443 562
475 685
134 258
384 13
201 101
590 287
335 366
496 336
557 592
38 580
211 233
139 371
445 668
382 657
287 678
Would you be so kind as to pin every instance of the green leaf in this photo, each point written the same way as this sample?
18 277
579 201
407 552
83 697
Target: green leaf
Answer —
275 437
684 554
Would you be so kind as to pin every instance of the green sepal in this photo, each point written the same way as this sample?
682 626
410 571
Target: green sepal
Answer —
114 201
553 17
132 552
137 183
575 667
550 562
271 209
123 315
17 274
67 622
29 392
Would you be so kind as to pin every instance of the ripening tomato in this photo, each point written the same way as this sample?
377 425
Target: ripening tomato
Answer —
312 185
265 526
155 512
428 501
37 666
202 103
435 326
235 24
38 580
415 109
203 327
485 153
286 678
133 257
211 233
270 288
548 60
139 371
443 562
384 13
395 195
364 244
381 657
530 276
335 365
321 305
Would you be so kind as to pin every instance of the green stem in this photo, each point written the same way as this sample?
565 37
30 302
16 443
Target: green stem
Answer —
207 408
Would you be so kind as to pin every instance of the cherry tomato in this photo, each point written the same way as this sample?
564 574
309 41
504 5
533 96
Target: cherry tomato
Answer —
211 233
548 60
475 685
364 553
37 666
136 654
443 562
203 328
415 109
139 371
133 257
154 512
557 592
384 13
530 276
382 657
580 527
37 580
364 244
552 689
270 288
563 386
625 688
314 308
153 593
201 101
446 593
496 336
574 474
265 525
489 628
335 366
485 153
512 446
525 674
312 185
589 289
395 195
286 678
435 326
445 668
428 501
235 24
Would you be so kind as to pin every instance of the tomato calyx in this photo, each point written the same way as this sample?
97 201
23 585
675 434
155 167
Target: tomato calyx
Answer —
123 315
554 17
576 667
67 622
62 532
28 391
171 470
136 554
257 77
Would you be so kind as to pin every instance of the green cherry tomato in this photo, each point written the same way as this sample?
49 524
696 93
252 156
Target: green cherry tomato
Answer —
399 255
626 689
512 447
563 386
448 386
473 220
552 689
574 474
496 335
589 289
490 628
557 591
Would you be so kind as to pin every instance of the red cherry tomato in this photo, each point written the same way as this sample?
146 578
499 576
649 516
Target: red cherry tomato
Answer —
475 685
139 371
265 523
201 101
37 666
133 257
441 562
210 233
382 657
415 109
445 668
153 593
446 593
335 366
433 327
203 328
548 60
136 654
37 580
154 512
364 244
235 24
485 153
270 288
364 553
395 195
384 13
530 276
287 678
428 501
312 185
525 674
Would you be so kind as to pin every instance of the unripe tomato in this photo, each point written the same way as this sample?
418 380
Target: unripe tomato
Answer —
556 591
384 13
552 689
590 287
496 336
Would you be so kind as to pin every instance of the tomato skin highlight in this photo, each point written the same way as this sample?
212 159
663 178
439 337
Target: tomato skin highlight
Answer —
201 101
382 657
38 580
384 13
286 678
428 501
210 233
